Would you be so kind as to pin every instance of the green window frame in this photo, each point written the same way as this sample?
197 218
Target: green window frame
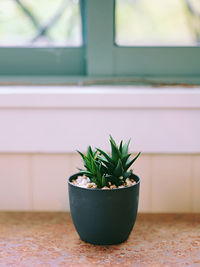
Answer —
100 56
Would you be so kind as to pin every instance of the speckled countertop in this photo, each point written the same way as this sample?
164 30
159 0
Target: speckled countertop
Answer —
49 239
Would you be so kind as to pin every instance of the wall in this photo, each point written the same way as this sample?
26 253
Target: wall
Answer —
169 182
41 126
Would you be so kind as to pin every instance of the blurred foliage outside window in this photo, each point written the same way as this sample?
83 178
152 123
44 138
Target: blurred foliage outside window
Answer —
46 23
157 22
40 23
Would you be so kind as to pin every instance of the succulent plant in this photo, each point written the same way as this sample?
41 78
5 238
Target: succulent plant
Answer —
104 169
94 168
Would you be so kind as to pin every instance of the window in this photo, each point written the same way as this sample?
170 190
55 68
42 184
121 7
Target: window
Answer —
40 23
155 22
100 38
41 37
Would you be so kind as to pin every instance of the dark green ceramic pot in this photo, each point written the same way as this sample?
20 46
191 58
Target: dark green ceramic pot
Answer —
104 217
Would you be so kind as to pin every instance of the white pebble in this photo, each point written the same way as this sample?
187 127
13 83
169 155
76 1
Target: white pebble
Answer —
79 179
129 182
84 181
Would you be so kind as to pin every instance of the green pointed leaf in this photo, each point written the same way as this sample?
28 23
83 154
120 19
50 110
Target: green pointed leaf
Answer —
102 169
86 161
127 174
111 139
128 165
82 155
93 166
115 151
107 163
119 169
105 155
87 164
125 147
103 181
125 158
120 146
89 151
94 153
99 178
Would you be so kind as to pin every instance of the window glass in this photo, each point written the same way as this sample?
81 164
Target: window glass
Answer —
40 23
157 22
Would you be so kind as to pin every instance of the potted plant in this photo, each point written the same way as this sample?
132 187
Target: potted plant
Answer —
104 196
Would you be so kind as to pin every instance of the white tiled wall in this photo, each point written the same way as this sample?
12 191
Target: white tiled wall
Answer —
169 183
15 186
49 186
142 168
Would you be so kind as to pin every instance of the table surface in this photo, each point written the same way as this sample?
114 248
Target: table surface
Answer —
50 239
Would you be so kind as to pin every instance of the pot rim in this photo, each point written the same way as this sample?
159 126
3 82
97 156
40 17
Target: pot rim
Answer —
99 189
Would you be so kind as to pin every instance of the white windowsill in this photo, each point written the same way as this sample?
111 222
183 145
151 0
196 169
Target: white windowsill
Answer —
98 97
52 119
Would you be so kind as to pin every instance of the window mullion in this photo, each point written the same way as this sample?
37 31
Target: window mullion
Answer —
99 51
